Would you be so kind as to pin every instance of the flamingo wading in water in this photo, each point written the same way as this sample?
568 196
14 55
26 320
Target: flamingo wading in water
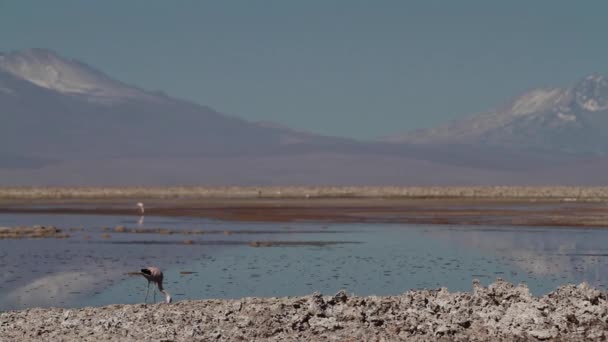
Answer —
154 274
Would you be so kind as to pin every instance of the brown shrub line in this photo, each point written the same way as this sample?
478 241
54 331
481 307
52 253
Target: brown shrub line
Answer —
565 193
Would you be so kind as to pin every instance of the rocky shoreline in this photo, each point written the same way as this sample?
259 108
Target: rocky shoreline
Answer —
499 312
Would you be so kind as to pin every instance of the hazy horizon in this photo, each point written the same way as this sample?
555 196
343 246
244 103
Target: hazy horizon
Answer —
383 68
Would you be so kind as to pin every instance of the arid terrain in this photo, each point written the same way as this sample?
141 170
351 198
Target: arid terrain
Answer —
500 312
515 206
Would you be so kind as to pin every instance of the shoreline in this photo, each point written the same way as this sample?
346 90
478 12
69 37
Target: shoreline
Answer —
499 312
431 211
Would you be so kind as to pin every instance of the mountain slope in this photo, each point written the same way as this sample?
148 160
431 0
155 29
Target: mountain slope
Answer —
65 123
60 109
570 120
46 69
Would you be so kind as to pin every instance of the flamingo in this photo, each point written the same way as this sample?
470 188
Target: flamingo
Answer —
154 274
141 208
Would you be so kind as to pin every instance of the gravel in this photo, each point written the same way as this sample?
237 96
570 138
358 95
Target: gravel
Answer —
499 312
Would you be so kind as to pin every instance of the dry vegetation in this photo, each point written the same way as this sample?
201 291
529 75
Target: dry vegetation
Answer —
501 192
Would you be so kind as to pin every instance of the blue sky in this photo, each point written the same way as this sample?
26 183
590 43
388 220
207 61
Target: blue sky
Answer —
353 68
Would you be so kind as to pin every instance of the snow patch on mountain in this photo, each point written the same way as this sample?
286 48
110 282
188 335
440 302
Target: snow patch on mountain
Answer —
592 93
537 100
46 69
592 106
573 119
566 117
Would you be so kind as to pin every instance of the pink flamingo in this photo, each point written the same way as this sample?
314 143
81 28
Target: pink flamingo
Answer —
154 274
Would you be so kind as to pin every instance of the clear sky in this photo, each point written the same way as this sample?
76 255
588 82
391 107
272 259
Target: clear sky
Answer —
353 68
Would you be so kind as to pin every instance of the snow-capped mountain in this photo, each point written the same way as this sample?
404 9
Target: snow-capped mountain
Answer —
570 120
46 69
63 122
69 110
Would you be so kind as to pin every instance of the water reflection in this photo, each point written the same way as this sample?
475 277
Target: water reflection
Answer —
270 259
51 289
555 254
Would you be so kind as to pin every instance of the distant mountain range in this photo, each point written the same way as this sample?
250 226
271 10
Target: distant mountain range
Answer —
570 120
66 123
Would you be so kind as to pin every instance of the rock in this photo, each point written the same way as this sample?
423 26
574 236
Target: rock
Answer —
340 297
543 334
499 312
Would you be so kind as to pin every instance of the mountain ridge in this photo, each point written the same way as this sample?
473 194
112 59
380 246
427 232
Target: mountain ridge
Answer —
47 69
65 122
117 119
542 118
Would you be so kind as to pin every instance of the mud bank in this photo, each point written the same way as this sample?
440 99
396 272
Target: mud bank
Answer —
35 232
457 211
500 312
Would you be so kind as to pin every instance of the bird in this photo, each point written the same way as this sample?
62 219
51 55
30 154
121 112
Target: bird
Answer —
154 274
141 208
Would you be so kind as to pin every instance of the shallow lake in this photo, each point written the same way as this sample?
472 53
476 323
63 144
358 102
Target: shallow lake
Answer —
235 259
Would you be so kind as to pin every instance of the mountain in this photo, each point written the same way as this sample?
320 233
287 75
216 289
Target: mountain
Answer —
54 108
67 123
46 69
572 121
64 122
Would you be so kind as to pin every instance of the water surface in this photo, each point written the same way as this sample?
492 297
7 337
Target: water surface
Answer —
90 267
